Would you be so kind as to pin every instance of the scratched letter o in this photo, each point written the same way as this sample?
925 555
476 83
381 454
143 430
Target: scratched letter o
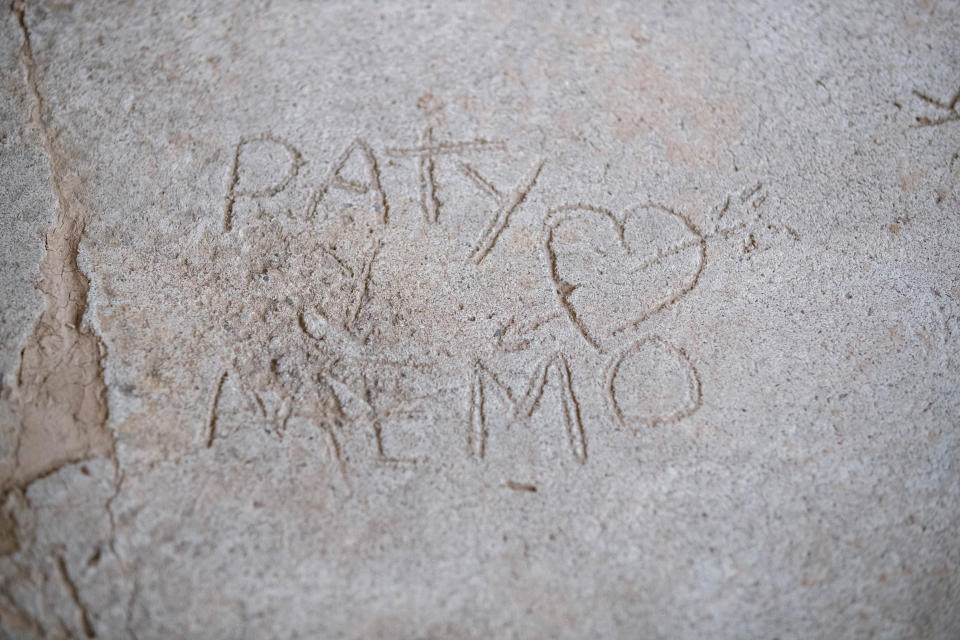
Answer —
651 382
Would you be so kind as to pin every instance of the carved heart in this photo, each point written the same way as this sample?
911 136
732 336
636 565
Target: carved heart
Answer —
611 274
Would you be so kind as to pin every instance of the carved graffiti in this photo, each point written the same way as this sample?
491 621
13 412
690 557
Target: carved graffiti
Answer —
607 273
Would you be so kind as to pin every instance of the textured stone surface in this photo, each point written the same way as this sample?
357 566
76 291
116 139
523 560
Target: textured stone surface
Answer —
480 320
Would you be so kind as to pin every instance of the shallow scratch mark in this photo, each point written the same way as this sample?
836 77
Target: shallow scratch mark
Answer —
363 291
212 412
429 148
71 587
519 486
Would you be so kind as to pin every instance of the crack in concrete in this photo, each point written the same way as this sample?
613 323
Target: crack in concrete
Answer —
61 394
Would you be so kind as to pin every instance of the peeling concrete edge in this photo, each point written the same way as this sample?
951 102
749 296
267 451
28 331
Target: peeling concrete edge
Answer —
60 389
60 393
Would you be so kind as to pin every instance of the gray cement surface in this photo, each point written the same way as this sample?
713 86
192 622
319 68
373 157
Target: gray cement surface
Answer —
480 320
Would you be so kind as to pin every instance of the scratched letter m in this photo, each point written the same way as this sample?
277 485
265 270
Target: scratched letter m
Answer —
553 367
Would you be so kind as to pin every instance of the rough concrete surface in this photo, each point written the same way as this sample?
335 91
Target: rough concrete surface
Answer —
480 319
